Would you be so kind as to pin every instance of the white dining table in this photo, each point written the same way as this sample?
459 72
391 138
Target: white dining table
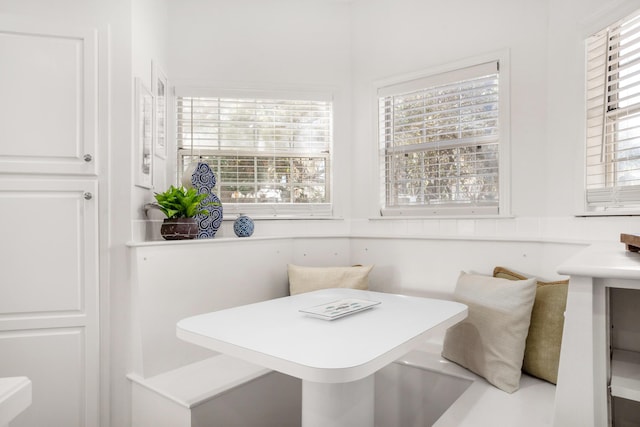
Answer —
336 359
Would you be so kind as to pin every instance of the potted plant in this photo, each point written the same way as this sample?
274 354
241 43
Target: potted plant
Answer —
180 205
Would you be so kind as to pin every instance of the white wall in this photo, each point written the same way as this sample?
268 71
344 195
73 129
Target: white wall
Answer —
407 36
570 23
348 46
545 41
222 273
281 45
149 44
431 266
216 274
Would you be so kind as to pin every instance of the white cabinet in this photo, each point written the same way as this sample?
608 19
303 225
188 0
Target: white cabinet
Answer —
625 374
49 290
48 107
624 341
599 375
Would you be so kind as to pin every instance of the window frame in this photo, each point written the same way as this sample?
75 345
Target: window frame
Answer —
603 201
269 210
504 146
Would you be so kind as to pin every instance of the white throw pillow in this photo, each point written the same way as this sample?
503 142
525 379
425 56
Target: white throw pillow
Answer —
306 279
491 340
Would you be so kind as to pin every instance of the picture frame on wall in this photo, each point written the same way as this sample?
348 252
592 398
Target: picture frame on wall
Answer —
144 117
160 91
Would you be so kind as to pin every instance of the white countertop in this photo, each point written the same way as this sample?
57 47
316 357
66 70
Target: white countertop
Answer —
603 260
274 334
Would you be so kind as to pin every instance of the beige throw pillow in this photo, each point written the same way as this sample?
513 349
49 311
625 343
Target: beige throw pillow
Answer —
491 340
306 279
542 353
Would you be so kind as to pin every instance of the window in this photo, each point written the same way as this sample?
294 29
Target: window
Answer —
439 139
270 156
613 117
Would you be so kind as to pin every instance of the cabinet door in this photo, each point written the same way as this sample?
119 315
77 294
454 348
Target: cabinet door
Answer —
48 108
49 297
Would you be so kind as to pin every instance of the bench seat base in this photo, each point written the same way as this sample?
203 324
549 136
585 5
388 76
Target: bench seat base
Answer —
467 400
420 389
215 392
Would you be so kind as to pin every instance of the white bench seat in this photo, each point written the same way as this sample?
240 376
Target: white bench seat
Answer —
15 397
219 388
197 382
215 392
483 405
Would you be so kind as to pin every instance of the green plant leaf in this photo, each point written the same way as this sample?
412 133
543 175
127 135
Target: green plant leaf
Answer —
182 203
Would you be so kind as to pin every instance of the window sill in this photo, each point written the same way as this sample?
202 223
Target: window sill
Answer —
608 213
232 217
439 217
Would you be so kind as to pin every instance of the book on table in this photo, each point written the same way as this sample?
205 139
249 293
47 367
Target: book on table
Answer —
340 308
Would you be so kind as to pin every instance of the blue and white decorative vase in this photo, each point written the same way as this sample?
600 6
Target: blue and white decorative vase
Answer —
243 226
203 179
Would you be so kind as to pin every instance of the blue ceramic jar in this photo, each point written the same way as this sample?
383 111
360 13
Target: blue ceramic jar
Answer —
243 226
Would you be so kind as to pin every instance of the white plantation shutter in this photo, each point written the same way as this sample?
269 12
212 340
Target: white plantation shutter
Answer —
613 116
439 143
270 156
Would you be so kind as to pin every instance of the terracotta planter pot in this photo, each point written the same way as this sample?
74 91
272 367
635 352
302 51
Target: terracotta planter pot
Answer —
179 229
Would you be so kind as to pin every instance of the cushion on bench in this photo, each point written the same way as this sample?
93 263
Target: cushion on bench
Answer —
307 279
542 352
491 340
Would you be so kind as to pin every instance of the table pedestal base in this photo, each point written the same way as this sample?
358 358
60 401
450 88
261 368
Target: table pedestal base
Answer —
338 405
